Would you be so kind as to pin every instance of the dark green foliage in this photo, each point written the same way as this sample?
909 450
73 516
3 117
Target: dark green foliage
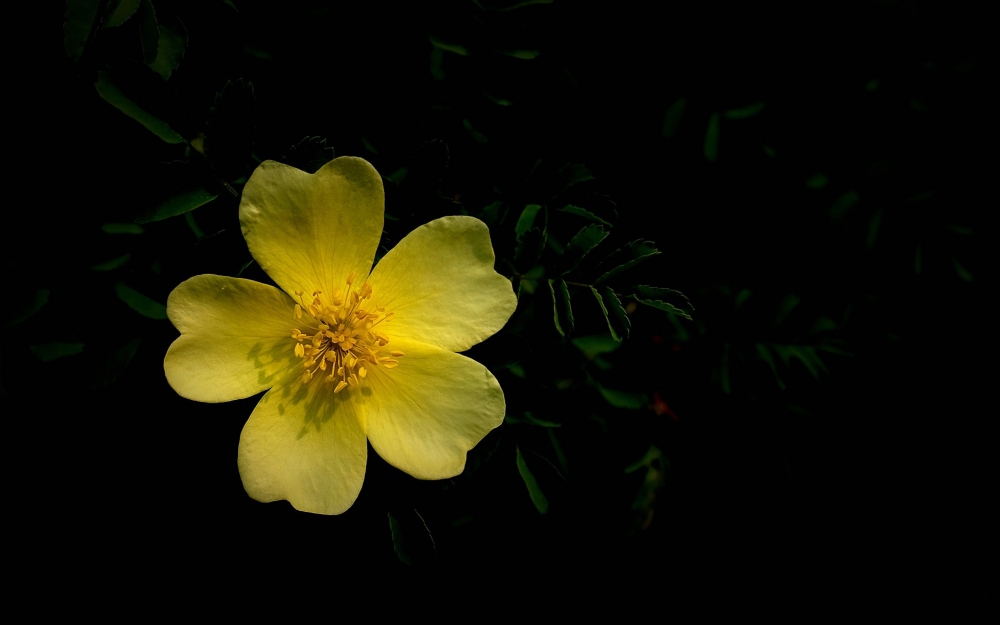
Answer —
617 318
583 212
54 350
411 538
140 303
534 491
111 92
176 188
669 300
581 244
625 258
820 199
309 154
230 130
562 308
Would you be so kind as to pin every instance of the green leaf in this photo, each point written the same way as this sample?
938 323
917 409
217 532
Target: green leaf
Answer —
528 417
561 306
623 399
140 303
662 293
411 538
109 368
397 540
573 174
170 51
964 274
785 308
149 31
765 355
560 454
526 55
122 12
497 100
583 212
672 118
230 130
817 181
437 63
618 316
179 189
843 204
873 226
745 112
478 136
523 3
711 148
724 370
113 228
398 176
741 297
114 263
114 96
604 309
79 25
454 48
193 225
581 244
665 306
309 154
529 248
625 258
594 346
491 215
22 309
537 496
47 352
806 354
652 459
527 219
669 300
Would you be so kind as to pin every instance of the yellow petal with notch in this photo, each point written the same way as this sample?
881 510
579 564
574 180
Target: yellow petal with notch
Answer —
440 283
305 445
235 338
425 414
309 232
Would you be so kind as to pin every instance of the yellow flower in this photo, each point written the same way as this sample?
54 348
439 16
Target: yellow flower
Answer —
346 354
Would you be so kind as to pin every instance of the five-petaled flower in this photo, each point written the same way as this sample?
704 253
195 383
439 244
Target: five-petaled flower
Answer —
348 351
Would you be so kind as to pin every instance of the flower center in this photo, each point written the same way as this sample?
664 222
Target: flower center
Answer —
346 338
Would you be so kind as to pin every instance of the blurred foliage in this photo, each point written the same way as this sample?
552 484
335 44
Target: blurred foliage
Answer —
813 198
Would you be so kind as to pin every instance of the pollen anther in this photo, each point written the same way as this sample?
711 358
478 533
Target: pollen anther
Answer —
342 336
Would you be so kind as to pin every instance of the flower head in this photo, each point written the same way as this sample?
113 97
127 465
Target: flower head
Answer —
348 351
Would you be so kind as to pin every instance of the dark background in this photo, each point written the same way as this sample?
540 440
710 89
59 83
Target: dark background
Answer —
844 216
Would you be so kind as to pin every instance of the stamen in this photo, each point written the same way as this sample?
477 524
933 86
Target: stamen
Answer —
343 337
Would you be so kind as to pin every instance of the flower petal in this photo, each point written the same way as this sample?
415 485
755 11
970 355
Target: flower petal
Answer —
440 283
235 338
304 444
425 414
310 231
